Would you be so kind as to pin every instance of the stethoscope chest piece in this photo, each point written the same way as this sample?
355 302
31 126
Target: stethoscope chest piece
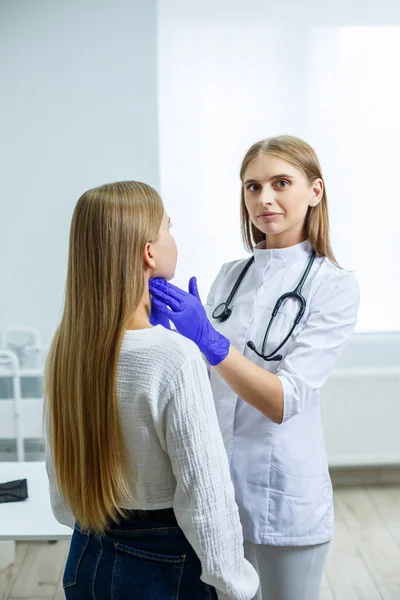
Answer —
222 312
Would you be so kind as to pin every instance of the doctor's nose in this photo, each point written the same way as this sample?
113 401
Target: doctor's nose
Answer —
267 197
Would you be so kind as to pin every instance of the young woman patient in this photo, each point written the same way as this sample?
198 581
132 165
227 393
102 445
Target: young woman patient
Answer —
134 454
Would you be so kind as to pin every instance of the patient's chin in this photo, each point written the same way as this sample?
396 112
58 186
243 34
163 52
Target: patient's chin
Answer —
165 277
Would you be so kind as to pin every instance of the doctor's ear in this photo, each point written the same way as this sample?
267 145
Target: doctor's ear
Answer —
317 192
148 257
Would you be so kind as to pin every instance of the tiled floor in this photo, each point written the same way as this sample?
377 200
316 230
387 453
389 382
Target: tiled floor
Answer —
363 562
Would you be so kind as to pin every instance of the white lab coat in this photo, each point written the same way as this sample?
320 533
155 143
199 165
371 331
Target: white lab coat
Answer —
280 472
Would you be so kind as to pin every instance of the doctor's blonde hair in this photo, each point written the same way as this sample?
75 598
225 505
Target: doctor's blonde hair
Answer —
110 228
301 156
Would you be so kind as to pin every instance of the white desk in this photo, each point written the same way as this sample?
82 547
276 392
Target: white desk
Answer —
31 519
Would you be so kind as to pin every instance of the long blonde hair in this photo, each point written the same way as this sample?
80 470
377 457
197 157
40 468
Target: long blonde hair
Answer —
110 227
301 156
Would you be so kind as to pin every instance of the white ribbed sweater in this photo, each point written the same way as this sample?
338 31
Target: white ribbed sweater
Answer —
175 446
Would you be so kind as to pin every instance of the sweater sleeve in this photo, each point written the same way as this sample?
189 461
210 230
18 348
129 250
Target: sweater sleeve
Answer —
60 509
204 502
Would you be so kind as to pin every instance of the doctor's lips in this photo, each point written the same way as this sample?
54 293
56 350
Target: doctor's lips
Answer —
268 216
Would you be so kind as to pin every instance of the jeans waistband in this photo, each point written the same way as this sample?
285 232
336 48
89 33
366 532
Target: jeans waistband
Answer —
135 517
164 514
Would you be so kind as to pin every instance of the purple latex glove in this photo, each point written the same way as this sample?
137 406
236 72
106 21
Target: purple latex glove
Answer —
157 317
187 313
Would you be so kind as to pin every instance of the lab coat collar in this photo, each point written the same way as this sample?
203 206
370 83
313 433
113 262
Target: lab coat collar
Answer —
263 256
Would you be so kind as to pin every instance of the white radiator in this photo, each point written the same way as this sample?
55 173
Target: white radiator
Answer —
360 403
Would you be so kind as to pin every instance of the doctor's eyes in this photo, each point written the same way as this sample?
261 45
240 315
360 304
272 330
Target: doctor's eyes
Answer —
280 184
253 187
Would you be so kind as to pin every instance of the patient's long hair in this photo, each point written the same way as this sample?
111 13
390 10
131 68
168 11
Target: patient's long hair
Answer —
301 156
110 227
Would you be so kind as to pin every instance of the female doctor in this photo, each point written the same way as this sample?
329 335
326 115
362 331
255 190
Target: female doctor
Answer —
272 352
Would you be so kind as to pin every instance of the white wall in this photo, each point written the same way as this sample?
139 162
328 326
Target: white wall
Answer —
80 105
234 72
78 108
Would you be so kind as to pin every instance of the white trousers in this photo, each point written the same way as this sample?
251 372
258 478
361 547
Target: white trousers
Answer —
288 572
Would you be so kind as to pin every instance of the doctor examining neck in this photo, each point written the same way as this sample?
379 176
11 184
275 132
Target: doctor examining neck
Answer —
272 329
283 211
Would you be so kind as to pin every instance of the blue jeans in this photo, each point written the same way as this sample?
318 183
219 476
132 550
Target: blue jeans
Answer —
136 560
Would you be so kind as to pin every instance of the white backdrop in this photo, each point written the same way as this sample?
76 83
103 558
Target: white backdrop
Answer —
228 78
78 108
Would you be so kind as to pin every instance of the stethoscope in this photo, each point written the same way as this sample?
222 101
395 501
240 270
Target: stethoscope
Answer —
222 312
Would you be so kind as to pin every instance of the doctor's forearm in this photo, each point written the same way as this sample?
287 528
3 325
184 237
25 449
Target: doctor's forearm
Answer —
258 387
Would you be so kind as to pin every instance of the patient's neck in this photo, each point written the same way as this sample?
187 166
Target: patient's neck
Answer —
141 317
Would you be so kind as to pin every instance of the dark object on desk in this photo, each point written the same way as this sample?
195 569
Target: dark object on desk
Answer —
14 491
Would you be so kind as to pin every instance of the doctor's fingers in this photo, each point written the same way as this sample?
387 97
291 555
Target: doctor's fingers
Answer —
168 288
162 308
165 299
193 288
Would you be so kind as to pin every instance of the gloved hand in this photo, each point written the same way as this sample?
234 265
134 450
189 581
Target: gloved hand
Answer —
157 317
187 313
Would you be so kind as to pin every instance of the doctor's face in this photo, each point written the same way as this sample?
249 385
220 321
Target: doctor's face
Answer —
277 197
